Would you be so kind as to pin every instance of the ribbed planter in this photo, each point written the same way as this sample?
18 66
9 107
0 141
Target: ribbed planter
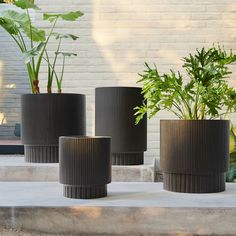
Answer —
44 118
85 166
114 116
194 155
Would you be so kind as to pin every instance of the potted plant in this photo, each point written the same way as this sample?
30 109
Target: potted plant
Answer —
45 116
231 174
194 150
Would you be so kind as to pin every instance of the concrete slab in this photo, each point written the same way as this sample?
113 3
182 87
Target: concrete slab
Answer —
14 168
130 209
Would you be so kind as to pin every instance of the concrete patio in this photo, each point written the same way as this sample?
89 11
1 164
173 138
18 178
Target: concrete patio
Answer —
38 208
14 168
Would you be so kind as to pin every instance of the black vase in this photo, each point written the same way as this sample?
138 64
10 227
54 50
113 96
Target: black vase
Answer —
45 117
194 155
114 116
85 166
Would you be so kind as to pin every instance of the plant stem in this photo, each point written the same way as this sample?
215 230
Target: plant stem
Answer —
184 102
54 62
49 85
196 103
23 41
44 48
203 111
178 108
31 39
62 73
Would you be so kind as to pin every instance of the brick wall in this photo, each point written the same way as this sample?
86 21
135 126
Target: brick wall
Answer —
116 38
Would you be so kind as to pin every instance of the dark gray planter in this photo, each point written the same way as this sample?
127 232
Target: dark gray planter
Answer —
194 155
114 116
85 166
45 117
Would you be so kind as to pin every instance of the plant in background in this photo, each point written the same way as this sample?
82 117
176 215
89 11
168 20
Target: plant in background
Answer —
231 174
19 25
207 95
6 1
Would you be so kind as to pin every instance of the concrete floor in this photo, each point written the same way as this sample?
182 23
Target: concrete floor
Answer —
14 168
119 195
129 209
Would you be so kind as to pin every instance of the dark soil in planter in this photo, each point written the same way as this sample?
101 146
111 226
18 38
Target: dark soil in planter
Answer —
45 117
114 116
194 155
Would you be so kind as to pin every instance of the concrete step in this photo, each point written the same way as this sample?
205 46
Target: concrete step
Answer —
38 208
14 168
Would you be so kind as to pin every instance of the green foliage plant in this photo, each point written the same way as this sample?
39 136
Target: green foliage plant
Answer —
231 174
19 25
206 95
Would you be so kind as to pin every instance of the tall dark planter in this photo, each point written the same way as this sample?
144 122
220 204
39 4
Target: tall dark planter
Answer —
114 116
85 166
45 117
194 155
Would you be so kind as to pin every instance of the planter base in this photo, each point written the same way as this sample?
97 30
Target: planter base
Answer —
187 183
127 158
85 192
41 154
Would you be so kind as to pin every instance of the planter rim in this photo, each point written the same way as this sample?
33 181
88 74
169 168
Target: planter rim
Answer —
52 94
84 137
119 87
178 120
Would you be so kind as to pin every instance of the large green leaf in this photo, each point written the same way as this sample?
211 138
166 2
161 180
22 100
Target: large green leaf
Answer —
71 16
33 52
22 22
9 26
66 36
26 4
37 35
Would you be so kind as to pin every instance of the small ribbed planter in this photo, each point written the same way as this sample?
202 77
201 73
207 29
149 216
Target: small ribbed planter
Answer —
85 166
114 116
194 155
44 118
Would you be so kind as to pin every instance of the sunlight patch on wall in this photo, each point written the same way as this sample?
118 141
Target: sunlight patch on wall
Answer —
10 86
3 119
127 36
112 31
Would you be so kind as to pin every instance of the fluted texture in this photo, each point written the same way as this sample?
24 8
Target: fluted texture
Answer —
127 158
194 153
187 183
85 161
41 154
46 117
114 116
85 192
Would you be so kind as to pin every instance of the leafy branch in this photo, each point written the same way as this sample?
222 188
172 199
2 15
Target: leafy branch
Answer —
206 94
19 25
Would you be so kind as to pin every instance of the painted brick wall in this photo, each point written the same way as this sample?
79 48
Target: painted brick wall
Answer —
116 38
13 82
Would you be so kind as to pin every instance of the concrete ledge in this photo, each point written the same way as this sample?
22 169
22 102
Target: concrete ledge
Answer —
13 168
130 209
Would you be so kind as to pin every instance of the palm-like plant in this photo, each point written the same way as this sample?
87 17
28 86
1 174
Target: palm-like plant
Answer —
19 26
